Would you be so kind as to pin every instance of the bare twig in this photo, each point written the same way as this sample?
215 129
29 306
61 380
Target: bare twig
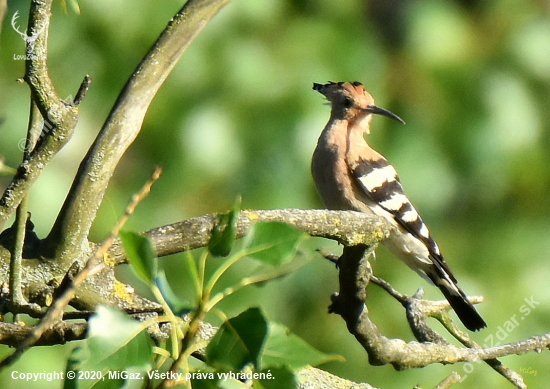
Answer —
20 224
17 298
449 381
84 87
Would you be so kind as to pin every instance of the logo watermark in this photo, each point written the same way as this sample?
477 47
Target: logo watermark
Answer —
46 128
29 40
502 333
528 370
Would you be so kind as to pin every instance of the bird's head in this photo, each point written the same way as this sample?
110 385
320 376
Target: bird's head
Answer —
350 101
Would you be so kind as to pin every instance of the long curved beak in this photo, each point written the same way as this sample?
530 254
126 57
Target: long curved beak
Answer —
384 112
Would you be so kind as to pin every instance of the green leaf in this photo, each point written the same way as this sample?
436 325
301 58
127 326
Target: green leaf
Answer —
224 233
282 348
273 242
177 305
178 282
115 343
238 342
276 378
141 255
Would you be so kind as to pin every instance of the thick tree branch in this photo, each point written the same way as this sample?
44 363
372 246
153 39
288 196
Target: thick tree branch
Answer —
347 227
68 237
40 277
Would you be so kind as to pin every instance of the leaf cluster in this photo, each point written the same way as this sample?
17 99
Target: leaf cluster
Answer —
247 351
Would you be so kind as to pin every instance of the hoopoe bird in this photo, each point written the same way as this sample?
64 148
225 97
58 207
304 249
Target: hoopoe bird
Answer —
350 175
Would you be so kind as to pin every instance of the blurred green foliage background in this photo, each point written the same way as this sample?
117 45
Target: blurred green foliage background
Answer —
238 116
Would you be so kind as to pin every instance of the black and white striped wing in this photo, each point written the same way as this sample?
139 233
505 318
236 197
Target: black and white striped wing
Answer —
380 183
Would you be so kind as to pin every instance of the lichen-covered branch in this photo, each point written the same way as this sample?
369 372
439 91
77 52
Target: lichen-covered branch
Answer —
355 274
347 227
68 237
40 278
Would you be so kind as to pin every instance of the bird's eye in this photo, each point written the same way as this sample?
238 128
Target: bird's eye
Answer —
348 103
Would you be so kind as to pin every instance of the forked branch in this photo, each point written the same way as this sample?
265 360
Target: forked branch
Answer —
355 274
69 236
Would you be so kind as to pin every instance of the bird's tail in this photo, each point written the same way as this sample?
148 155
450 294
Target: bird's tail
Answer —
458 300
